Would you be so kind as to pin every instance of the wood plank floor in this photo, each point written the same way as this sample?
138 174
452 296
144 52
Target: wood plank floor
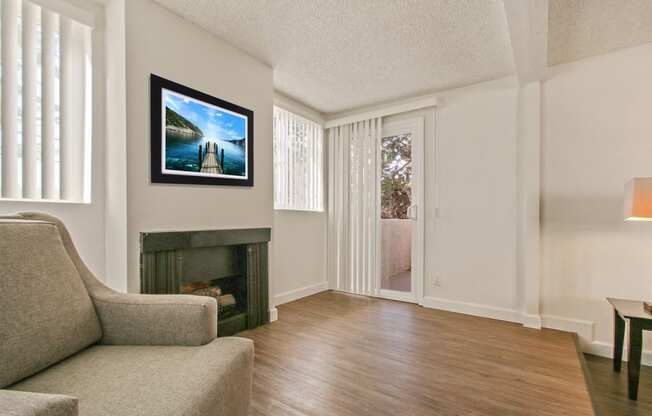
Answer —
610 389
338 354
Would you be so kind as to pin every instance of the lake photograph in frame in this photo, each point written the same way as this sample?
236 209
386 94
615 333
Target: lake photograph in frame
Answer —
203 139
199 139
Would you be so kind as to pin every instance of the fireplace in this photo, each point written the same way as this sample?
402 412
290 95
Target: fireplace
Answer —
230 265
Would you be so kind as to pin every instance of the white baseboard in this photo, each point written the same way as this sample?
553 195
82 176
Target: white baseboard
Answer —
531 321
585 332
273 314
474 309
295 294
604 349
584 329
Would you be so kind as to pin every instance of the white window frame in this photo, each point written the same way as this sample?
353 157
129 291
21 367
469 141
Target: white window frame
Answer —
298 167
29 181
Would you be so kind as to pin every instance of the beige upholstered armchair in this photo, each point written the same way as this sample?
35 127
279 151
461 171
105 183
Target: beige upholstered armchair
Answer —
71 346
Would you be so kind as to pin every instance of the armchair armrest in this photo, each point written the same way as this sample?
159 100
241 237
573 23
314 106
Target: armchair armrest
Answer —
131 319
23 403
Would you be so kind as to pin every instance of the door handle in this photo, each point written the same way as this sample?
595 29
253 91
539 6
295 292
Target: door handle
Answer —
412 212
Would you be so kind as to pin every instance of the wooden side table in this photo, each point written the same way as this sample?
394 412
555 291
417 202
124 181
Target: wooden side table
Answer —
639 320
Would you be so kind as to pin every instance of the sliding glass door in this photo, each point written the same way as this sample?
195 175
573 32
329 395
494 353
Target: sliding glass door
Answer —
400 213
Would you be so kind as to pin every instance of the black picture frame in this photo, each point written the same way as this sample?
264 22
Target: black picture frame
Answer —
160 175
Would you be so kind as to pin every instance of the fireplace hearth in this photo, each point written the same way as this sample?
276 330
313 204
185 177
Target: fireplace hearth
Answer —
230 265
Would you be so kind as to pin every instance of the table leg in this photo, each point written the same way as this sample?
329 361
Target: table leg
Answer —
634 364
619 339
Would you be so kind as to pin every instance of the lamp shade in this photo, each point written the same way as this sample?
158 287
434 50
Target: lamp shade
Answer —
638 200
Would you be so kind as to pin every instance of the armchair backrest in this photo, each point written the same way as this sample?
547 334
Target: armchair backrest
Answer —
46 313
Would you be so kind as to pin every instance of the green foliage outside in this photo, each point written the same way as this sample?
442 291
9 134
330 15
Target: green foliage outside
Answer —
396 176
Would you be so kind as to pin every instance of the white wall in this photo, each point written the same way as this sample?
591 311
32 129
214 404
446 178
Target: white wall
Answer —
115 155
298 255
528 184
162 43
597 134
471 246
299 247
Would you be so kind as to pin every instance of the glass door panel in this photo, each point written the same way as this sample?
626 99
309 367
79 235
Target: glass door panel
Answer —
396 208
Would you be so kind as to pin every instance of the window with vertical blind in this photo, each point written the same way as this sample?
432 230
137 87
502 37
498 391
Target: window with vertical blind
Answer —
298 162
46 102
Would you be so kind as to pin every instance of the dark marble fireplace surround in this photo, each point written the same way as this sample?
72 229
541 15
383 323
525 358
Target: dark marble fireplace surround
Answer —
234 259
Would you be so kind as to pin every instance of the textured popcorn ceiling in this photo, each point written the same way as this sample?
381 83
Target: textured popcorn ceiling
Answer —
581 28
335 55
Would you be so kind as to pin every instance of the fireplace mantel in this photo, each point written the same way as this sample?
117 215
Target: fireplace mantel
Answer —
235 257
176 240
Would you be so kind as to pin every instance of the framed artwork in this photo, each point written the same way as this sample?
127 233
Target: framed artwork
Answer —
199 139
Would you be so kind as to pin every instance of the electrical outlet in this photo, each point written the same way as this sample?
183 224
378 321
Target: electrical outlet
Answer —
437 280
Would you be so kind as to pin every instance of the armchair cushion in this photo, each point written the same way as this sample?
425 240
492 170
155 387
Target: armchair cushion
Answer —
46 313
20 403
109 380
129 319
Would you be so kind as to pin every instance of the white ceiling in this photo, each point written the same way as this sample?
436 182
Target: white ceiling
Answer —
581 28
336 55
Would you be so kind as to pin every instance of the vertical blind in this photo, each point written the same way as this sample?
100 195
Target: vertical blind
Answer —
298 162
46 101
353 206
